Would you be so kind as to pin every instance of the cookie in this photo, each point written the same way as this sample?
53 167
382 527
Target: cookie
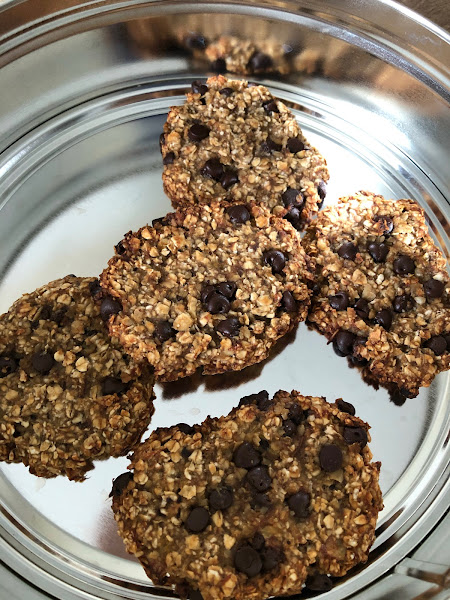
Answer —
255 503
235 142
68 393
382 290
211 286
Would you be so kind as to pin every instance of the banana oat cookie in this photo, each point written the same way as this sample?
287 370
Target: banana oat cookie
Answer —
211 286
236 142
255 503
68 393
382 290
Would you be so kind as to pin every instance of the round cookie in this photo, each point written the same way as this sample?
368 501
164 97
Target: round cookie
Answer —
255 503
212 286
382 290
68 393
236 142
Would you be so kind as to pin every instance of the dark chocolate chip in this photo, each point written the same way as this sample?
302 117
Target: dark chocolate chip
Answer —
246 456
198 87
299 504
217 304
386 222
271 558
261 500
355 435
378 251
319 583
195 41
264 444
270 146
42 362
384 318
185 428
227 289
198 132
213 169
433 288
46 311
296 414
292 197
343 343
270 106
113 385
404 265
248 561
229 178
290 428
261 399
358 361
447 341
436 343
259 61
7 366
403 303
345 407
259 478
169 158
219 65
59 315
322 190
340 301
258 542
330 457
274 259
294 217
288 302
348 250
238 213
206 292
185 453
221 498
197 520
295 145
362 308
95 287
162 139
119 484
120 248
195 595
109 306
164 331
229 327
159 221
226 91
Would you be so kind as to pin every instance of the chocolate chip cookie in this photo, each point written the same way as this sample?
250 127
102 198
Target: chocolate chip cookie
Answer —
382 290
236 142
210 286
255 503
68 393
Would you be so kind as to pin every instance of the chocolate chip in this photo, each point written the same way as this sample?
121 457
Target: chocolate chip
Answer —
198 132
447 341
340 301
330 457
274 259
238 213
195 41
95 287
261 500
227 289
213 169
258 542
162 140
217 304
198 87
290 428
195 595
288 302
259 478
164 331
42 362
362 308
221 498
113 385
169 158
229 327
348 250
295 144
299 503
343 343
261 399
404 265
294 217
120 248
46 311
436 343
384 318
292 197
219 65
271 558
7 366
269 146
322 190
403 303
387 224
185 428
296 414
159 221
270 106
358 361
109 306
264 444
345 407
226 91
378 251
433 288
197 520
355 435
319 583
229 178
246 456
248 561
185 453
206 292
119 484
259 61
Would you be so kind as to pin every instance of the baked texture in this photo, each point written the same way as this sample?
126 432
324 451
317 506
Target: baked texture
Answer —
241 145
68 393
399 332
211 286
255 503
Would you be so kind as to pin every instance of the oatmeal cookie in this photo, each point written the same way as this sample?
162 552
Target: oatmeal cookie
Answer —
382 290
255 503
68 393
212 286
236 142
